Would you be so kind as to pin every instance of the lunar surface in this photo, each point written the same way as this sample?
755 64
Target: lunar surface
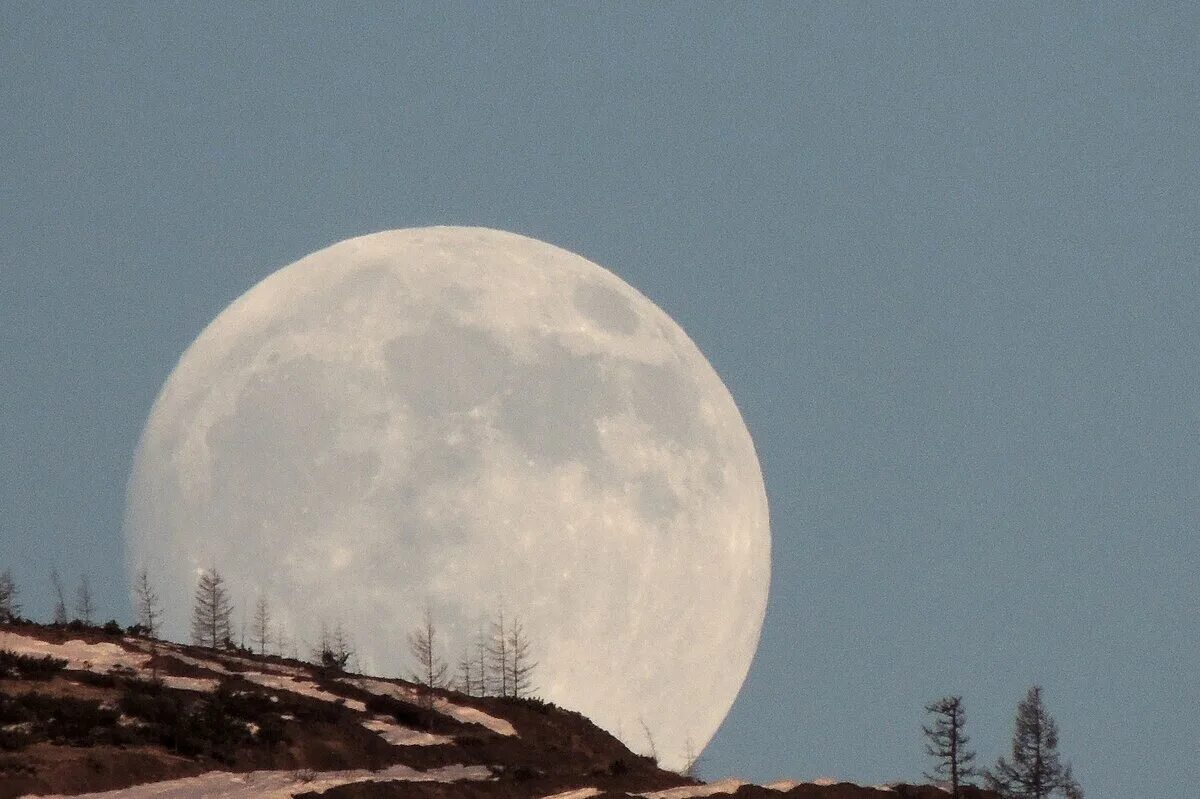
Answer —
468 420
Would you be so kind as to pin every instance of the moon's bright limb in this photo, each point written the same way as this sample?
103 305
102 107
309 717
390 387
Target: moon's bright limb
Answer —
469 419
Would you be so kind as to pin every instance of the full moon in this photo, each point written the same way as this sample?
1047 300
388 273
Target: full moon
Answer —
469 421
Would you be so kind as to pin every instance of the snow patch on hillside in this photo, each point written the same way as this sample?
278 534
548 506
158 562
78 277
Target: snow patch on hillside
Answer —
782 785
301 687
690 791
200 663
578 793
218 662
281 784
205 685
80 655
397 735
461 713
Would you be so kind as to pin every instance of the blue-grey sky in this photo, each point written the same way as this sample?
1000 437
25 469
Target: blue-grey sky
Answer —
944 256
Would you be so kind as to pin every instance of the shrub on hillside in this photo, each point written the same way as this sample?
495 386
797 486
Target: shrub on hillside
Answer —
29 667
64 720
412 716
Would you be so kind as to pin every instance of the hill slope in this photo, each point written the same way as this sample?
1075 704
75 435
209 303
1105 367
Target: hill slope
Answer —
84 711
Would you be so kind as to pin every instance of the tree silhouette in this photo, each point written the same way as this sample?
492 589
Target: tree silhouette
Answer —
947 743
84 608
1035 770
10 608
521 665
285 643
149 614
261 634
499 657
422 643
212 612
464 680
334 650
60 598
481 661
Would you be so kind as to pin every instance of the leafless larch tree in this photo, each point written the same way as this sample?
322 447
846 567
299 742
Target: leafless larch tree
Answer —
10 608
261 634
60 598
149 613
423 645
212 612
947 744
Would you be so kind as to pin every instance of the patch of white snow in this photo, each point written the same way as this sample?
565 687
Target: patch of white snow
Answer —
202 684
782 785
280 784
578 793
80 655
302 687
397 735
690 791
462 713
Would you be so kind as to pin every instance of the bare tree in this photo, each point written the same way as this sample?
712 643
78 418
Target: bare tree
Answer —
649 740
498 656
60 598
947 744
464 680
691 760
344 646
481 660
262 625
334 650
422 643
212 612
84 608
1035 770
283 641
10 608
521 665
149 614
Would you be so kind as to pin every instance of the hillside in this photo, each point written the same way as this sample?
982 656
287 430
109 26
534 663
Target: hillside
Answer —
83 711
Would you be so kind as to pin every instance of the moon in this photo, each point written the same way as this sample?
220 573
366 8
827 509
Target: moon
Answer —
468 420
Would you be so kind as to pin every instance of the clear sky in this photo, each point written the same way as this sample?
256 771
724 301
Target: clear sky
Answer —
944 256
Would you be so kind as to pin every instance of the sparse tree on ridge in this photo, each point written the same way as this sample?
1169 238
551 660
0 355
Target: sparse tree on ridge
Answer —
261 634
691 760
10 608
212 612
284 642
84 608
334 650
464 680
1035 771
653 753
947 744
422 643
498 656
481 661
521 665
344 647
60 598
149 614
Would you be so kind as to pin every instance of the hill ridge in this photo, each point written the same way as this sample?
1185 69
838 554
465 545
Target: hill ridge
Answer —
86 710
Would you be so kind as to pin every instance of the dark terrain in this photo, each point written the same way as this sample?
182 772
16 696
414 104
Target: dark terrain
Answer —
87 709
